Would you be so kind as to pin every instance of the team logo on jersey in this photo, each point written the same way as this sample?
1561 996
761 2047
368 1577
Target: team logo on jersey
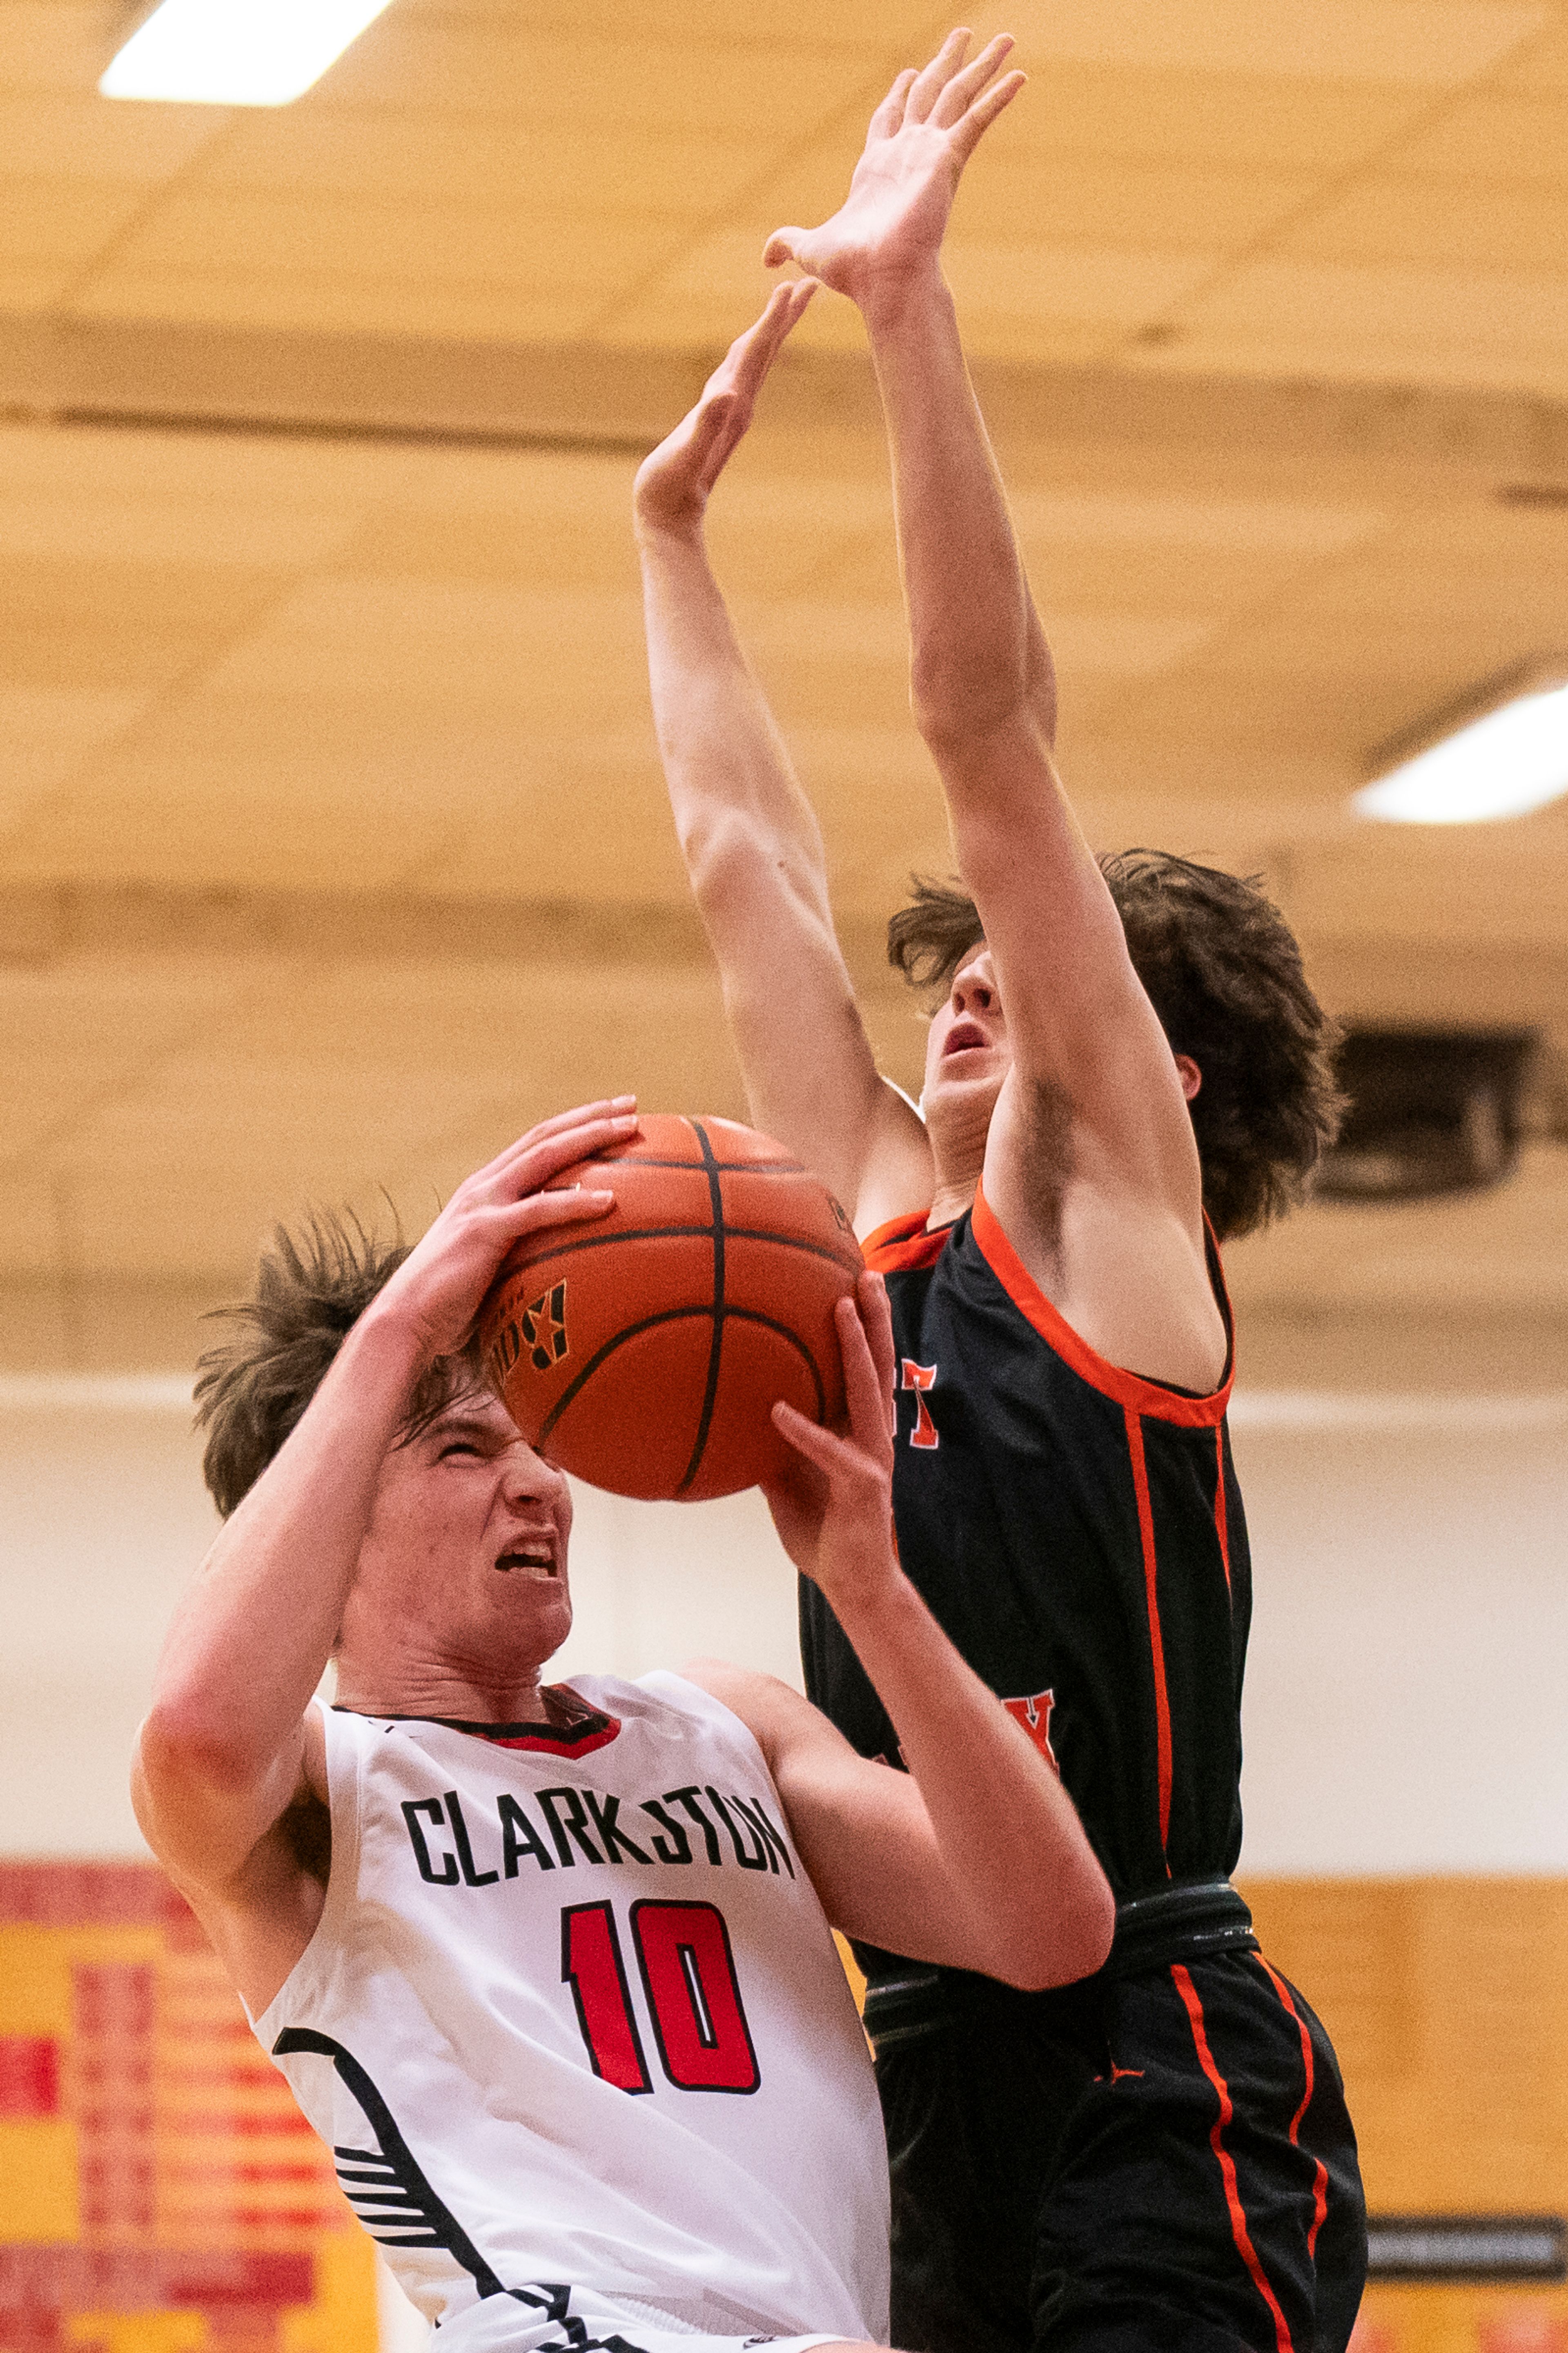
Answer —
920 1377
1034 1714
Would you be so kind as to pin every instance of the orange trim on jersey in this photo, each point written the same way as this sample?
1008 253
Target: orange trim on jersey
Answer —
1129 1390
1238 2230
1320 2178
902 1243
1156 1640
1220 1527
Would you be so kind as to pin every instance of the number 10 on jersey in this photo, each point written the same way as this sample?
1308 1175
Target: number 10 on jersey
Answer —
688 1975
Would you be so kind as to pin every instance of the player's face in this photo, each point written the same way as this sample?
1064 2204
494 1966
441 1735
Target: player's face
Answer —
466 1553
968 1053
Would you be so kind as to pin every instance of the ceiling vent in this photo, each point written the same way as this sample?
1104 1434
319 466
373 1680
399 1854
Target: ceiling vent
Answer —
1431 1111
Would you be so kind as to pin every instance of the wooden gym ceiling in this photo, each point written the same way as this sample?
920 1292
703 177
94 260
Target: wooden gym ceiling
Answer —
331 841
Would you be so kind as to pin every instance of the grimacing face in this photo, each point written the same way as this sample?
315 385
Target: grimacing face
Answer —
464 1564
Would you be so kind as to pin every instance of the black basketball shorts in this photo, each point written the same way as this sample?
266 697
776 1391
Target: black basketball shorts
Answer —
1162 2161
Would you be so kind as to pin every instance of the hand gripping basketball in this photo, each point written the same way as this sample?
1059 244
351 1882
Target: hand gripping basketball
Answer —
833 1504
645 1356
441 1283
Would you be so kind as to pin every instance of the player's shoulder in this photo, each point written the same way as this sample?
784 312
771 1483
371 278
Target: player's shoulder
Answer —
769 1709
704 1691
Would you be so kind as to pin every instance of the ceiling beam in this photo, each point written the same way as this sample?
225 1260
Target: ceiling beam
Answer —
47 927
602 399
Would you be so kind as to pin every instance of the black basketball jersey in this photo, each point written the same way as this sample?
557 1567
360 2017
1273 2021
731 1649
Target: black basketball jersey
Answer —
1078 1530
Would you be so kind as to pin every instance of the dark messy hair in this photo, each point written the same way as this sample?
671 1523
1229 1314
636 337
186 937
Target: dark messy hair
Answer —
310 1286
1225 975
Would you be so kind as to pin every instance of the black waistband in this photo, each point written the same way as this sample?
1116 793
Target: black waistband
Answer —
1188 1923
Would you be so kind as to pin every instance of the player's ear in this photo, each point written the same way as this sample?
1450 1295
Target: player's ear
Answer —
1190 1077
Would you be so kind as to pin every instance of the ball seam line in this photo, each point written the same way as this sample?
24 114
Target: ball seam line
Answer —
680 1233
715 1347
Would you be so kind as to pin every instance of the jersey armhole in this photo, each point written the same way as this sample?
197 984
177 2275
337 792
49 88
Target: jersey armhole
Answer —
1133 1391
683 1684
344 1794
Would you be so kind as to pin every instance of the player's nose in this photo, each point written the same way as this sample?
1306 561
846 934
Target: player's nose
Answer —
526 1478
974 985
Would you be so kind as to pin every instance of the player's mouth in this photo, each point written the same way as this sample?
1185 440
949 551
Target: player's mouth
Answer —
963 1037
530 1556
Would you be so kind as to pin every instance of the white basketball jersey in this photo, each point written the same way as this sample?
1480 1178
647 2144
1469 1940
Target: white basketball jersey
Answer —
573 2018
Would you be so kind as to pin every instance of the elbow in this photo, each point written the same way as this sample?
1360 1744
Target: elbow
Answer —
724 858
1077 1939
957 703
185 1745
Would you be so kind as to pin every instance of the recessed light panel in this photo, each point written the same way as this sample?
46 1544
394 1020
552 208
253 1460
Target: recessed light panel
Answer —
1513 759
236 52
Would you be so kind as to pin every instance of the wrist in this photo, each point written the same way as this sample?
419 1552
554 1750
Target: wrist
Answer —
657 530
387 1346
893 302
869 1600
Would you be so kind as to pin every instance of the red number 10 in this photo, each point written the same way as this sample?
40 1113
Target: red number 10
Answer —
688 1977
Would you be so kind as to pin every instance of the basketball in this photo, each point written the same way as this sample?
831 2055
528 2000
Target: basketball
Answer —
643 1352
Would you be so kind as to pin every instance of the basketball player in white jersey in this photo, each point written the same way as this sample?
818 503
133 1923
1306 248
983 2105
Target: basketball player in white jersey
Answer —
547 1965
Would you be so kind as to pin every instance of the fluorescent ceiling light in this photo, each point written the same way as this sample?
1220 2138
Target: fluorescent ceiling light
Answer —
1512 759
236 52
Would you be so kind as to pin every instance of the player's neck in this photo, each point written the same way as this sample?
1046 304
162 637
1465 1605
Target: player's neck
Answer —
951 1201
957 1133
453 1691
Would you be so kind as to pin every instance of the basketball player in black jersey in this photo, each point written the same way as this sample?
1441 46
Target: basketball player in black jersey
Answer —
1160 2155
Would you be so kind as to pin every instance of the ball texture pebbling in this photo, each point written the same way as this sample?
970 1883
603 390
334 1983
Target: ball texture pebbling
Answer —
643 1352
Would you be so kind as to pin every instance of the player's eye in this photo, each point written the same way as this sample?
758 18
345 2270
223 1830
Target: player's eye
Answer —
458 1446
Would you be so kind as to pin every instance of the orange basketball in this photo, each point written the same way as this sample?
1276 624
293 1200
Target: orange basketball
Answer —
643 1352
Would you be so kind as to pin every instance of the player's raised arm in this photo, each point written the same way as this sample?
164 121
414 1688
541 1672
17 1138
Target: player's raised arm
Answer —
223 1754
975 1857
1095 1083
751 844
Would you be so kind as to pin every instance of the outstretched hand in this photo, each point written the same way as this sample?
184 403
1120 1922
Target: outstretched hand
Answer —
673 482
441 1284
834 1506
891 225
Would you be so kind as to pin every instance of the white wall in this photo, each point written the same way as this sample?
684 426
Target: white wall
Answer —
1404 1708
1406 1682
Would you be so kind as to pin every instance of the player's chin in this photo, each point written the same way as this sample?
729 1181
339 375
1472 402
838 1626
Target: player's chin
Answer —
966 1078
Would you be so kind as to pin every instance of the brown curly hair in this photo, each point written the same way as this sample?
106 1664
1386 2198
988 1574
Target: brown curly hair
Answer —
253 1387
1224 973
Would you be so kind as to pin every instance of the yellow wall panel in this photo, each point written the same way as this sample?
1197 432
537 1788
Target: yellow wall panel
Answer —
38 2201
1447 2002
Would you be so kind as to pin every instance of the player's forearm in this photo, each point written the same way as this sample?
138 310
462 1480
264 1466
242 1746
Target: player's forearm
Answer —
978 656
723 757
252 1637
1014 1849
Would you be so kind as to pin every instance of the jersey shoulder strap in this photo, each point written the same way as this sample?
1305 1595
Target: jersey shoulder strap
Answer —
904 1244
1130 1390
